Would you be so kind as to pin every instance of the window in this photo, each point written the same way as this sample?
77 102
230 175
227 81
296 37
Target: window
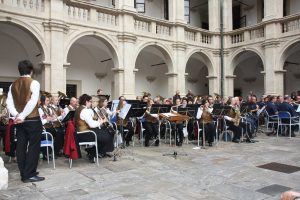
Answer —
71 90
5 86
139 5
187 10
166 9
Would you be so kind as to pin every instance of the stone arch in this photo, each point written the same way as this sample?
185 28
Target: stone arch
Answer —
284 52
235 56
32 31
207 59
162 48
103 38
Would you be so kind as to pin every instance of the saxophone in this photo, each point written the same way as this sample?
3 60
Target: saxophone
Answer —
237 117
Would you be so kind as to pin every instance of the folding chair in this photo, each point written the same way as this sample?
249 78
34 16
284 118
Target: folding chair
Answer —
285 119
270 119
87 144
48 142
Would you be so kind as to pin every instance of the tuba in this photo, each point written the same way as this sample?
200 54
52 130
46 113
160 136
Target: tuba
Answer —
237 118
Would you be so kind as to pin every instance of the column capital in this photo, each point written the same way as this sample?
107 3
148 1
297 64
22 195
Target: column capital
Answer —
171 74
179 46
127 37
135 70
67 65
271 44
230 76
280 71
211 77
118 70
56 26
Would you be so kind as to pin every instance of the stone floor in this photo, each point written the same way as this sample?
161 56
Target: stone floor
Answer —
226 171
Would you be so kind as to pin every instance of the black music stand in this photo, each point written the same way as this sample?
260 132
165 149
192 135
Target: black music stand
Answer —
69 116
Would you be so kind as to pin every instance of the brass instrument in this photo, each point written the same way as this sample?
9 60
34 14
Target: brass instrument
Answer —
149 117
61 95
3 110
47 94
237 119
102 114
56 118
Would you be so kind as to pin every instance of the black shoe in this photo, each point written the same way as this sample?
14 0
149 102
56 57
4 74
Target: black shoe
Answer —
179 144
293 135
146 143
127 143
236 141
157 142
108 155
249 141
34 179
210 144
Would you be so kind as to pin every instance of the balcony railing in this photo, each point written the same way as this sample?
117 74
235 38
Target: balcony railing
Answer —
247 34
290 23
198 35
76 12
33 5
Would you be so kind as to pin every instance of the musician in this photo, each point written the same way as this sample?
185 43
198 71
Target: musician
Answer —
71 107
176 96
178 126
52 125
204 115
84 121
271 107
3 116
287 107
150 125
233 120
124 123
102 106
253 108
189 95
22 102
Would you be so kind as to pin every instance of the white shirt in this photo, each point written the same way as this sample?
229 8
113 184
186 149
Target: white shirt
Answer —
66 111
87 115
42 114
200 112
35 92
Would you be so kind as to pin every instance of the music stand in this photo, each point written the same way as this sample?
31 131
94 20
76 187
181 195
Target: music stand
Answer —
69 116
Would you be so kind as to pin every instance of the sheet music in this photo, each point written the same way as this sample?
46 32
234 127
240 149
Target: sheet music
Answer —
154 115
298 109
114 105
124 111
169 114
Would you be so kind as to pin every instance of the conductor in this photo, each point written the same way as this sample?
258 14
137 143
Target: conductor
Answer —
22 103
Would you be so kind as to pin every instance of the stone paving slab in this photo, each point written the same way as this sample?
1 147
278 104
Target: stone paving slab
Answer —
228 171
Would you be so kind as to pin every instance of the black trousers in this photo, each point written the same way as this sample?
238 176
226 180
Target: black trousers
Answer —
179 128
209 130
151 130
105 141
28 133
127 135
237 130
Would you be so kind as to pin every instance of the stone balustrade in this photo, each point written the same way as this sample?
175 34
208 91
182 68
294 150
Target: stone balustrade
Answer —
34 5
142 25
105 18
76 12
198 35
290 23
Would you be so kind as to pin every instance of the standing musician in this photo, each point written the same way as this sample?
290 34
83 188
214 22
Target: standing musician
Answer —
151 125
3 116
178 125
204 115
124 123
52 125
22 103
84 121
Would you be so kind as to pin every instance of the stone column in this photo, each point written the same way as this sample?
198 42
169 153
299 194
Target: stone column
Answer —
172 84
214 15
227 15
179 67
273 9
118 82
212 84
3 175
55 29
46 76
176 11
229 86
274 74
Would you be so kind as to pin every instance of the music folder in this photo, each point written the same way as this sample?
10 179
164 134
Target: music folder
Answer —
69 116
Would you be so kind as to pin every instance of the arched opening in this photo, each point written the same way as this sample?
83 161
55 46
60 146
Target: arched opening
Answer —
92 59
152 63
247 68
18 43
292 67
196 74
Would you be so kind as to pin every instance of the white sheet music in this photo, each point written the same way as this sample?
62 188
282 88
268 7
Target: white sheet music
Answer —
154 115
124 111
298 109
114 105
168 114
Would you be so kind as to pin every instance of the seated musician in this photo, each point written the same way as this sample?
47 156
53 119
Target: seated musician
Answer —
71 107
178 125
52 125
102 106
84 121
234 121
287 107
151 125
124 123
253 107
204 115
